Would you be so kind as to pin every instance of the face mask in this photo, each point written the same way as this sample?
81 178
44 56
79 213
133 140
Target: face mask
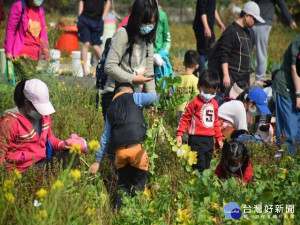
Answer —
234 168
146 29
254 112
206 97
38 3
35 115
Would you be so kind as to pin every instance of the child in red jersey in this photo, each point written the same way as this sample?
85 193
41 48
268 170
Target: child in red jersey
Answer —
235 162
200 117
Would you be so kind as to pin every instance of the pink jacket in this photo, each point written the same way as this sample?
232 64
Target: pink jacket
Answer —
14 42
20 145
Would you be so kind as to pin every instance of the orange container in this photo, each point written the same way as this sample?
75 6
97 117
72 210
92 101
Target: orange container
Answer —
68 41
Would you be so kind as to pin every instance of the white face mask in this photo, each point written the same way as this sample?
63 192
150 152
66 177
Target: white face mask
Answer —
34 114
38 3
206 97
146 28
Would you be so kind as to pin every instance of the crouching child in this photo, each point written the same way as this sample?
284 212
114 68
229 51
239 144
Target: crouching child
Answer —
125 129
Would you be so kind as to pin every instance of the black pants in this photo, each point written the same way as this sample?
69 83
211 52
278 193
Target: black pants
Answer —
130 179
204 146
63 158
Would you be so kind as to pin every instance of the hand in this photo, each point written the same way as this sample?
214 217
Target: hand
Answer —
220 144
178 139
293 25
207 32
222 27
226 81
94 167
9 56
297 103
65 146
140 78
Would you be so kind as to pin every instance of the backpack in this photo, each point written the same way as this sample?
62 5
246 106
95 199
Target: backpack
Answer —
20 20
101 76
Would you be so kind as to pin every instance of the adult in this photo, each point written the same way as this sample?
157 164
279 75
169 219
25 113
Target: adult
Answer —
130 58
203 26
26 35
90 27
261 32
24 130
2 14
286 87
162 46
233 114
231 55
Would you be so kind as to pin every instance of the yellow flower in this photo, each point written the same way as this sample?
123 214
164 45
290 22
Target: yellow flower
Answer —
43 213
247 199
61 59
147 193
93 145
59 84
183 216
75 149
58 184
17 174
8 185
91 211
41 194
192 157
214 205
78 85
82 62
283 173
10 198
63 83
75 174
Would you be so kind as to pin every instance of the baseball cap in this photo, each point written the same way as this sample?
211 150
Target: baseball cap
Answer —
259 97
36 91
235 91
252 9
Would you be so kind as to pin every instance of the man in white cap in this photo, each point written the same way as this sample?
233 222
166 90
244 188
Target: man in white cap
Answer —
26 129
231 55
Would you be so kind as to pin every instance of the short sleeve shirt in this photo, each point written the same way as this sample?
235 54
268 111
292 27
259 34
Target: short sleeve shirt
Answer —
93 9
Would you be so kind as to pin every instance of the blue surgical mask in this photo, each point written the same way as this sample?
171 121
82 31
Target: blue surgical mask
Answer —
206 97
38 3
234 168
254 112
146 28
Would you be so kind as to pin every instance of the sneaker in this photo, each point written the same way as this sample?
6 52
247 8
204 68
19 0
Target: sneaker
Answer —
258 83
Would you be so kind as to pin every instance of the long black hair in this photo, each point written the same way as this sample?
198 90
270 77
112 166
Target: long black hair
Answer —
231 152
19 97
142 12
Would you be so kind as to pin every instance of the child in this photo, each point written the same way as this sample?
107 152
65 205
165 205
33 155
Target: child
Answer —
188 81
201 119
235 162
125 129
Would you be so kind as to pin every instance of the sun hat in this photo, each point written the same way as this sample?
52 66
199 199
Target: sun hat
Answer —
235 91
36 91
252 9
259 97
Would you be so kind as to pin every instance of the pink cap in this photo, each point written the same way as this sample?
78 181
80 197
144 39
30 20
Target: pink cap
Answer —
36 91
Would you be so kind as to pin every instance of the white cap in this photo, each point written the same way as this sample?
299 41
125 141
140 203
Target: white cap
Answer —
252 9
36 91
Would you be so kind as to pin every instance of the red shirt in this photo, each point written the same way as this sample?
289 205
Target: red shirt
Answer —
246 176
31 47
20 144
200 118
